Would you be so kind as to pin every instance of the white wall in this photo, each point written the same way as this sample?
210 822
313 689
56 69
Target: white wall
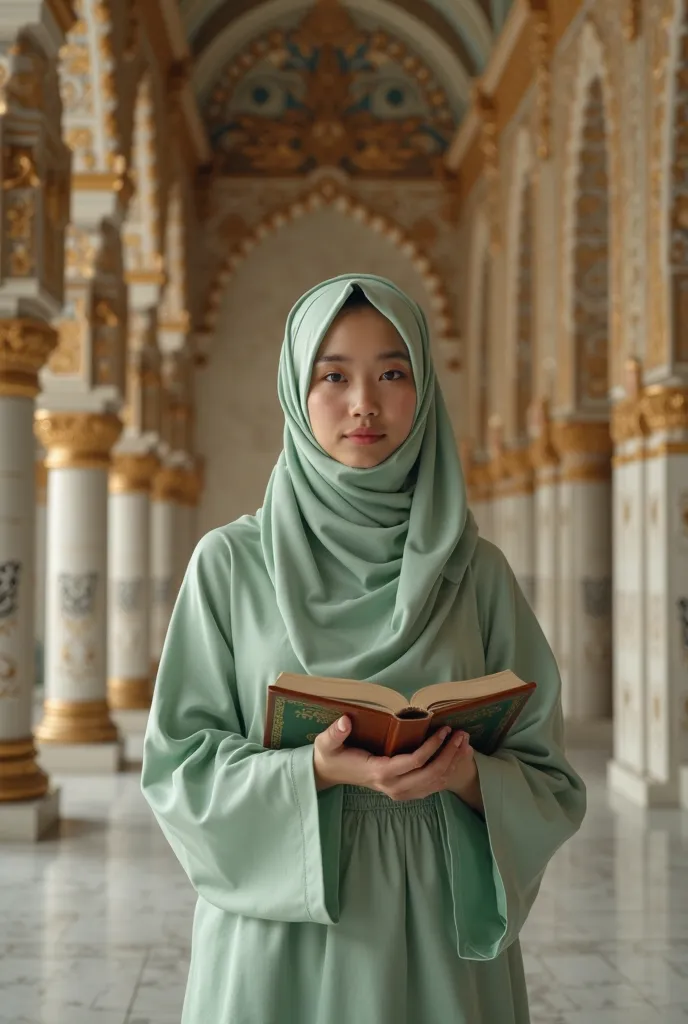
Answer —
240 422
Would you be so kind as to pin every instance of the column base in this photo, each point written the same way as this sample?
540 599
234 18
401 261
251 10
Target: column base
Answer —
81 758
20 776
129 694
132 729
683 786
76 722
640 790
25 821
590 734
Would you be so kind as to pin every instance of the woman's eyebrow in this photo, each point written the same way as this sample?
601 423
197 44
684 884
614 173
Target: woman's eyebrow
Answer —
394 354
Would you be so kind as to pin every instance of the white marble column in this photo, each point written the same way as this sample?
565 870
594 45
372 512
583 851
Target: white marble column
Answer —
584 600
546 550
628 772
665 412
41 474
129 676
27 804
518 538
76 732
166 496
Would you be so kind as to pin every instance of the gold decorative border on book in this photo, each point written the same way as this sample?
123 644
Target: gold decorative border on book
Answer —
277 723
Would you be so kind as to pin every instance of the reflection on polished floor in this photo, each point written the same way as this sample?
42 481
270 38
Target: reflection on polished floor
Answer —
94 928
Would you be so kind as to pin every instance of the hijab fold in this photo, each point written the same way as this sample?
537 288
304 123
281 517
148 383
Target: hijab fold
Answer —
357 557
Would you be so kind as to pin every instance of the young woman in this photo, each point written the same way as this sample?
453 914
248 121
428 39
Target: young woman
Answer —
335 887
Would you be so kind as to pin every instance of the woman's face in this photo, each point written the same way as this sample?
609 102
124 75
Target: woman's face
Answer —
362 397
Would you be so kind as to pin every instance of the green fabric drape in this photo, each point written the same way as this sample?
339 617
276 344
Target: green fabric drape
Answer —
357 556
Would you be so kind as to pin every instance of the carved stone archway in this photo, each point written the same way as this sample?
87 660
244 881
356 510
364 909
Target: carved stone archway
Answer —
330 193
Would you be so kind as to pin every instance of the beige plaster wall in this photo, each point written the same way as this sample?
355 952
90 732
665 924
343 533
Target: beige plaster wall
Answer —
239 429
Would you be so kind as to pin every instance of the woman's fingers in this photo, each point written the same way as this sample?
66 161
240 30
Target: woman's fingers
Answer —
401 764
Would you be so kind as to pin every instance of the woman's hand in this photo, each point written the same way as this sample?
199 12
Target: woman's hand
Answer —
402 777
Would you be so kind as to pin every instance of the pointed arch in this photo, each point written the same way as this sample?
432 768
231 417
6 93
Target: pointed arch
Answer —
142 234
479 277
174 316
591 286
87 72
329 193
520 305
667 294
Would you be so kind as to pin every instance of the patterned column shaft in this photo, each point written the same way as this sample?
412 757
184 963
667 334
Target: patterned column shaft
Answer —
169 489
665 411
129 677
584 606
630 564
546 537
78 446
41 474
24 347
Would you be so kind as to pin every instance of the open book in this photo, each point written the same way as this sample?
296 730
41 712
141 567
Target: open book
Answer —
386 723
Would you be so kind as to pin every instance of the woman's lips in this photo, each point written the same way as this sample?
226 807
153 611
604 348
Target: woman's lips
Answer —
364 438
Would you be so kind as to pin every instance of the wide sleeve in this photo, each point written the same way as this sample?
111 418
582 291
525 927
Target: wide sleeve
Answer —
534 801
247 824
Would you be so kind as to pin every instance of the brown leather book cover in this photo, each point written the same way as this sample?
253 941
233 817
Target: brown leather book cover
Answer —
294 719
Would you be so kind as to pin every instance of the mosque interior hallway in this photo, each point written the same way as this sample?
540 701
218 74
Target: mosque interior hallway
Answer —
96 924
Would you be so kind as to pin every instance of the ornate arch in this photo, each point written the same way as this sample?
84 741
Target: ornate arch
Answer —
434 50
520 307
89 92
668 189
173 317
328 192
478 310
591 257
142 233
328 93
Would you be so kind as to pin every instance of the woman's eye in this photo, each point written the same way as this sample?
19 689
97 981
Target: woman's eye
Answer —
334 374
400 374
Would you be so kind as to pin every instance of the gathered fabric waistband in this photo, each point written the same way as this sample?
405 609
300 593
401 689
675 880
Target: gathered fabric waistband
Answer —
357 798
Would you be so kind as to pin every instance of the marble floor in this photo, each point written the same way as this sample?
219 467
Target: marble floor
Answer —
95 925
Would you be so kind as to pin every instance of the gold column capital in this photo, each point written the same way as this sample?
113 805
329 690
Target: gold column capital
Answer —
627 421
584 448
77 440
25 344
132 473
665 408
178 484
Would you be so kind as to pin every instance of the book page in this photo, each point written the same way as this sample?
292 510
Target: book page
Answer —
370 694
467 689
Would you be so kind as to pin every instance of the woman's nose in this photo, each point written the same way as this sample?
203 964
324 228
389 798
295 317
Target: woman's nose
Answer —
364 401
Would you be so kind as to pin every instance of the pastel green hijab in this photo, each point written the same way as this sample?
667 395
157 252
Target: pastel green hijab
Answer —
364 562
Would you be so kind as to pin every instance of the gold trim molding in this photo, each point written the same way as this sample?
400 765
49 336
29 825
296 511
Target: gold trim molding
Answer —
665 408
20 776
129 694
174 483
41 479
77 440
132 474
67 721
329 193
584 448
25 345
